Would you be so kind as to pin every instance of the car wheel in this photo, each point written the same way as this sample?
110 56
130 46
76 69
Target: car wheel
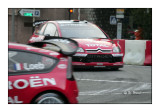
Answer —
49 98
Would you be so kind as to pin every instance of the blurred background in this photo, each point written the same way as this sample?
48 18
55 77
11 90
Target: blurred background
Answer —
20 28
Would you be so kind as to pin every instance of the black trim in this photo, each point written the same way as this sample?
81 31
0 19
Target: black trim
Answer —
108 67
97 58
33 72
70 70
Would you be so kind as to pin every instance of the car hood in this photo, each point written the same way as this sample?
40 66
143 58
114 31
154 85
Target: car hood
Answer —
94 43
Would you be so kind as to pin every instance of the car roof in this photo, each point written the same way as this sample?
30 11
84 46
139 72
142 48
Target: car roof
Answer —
18 46
71 21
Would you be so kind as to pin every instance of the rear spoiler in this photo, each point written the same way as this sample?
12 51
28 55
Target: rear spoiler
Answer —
63 45
38 22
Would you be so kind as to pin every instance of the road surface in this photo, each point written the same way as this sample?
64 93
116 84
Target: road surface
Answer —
130 84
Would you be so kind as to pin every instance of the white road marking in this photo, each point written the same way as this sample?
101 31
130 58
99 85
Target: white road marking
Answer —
139 86
143 86
117 93
109 81
138 66
105 91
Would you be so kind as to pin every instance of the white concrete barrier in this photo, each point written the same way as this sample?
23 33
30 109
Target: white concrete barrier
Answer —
134 52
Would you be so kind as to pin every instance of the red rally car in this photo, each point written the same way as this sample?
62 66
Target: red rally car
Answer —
42 76
96 49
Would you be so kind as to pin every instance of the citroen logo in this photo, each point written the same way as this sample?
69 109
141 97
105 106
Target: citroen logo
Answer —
99 50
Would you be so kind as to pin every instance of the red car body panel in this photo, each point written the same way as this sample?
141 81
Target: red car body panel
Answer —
89 44
24 88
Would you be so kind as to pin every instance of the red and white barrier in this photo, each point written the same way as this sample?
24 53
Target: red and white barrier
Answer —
148 53
136 52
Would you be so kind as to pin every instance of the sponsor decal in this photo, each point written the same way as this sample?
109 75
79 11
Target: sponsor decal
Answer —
98 45
62 66
13 100
32 82
63 59
99 66
28 67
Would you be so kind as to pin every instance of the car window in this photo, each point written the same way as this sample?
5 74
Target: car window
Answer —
85 31
20 61
50 29
56 34
39 29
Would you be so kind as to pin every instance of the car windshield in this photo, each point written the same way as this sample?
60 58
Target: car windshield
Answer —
83 30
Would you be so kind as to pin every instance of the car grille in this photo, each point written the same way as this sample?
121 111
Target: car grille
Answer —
97 58
95 51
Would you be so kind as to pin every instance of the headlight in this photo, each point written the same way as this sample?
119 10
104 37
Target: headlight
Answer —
80 50
116 49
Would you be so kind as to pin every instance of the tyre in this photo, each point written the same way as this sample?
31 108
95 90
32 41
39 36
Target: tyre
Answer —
49 98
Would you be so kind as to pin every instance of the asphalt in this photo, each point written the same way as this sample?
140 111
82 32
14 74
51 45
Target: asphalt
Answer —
129 85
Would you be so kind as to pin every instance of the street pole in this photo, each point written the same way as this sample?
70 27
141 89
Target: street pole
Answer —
13 19
69 16
119 30
79 14
33 22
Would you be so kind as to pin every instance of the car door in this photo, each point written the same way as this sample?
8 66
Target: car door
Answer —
29 73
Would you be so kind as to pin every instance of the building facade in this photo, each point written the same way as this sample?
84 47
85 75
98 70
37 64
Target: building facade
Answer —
20 28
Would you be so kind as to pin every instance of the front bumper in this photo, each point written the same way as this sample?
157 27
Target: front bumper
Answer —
98 60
